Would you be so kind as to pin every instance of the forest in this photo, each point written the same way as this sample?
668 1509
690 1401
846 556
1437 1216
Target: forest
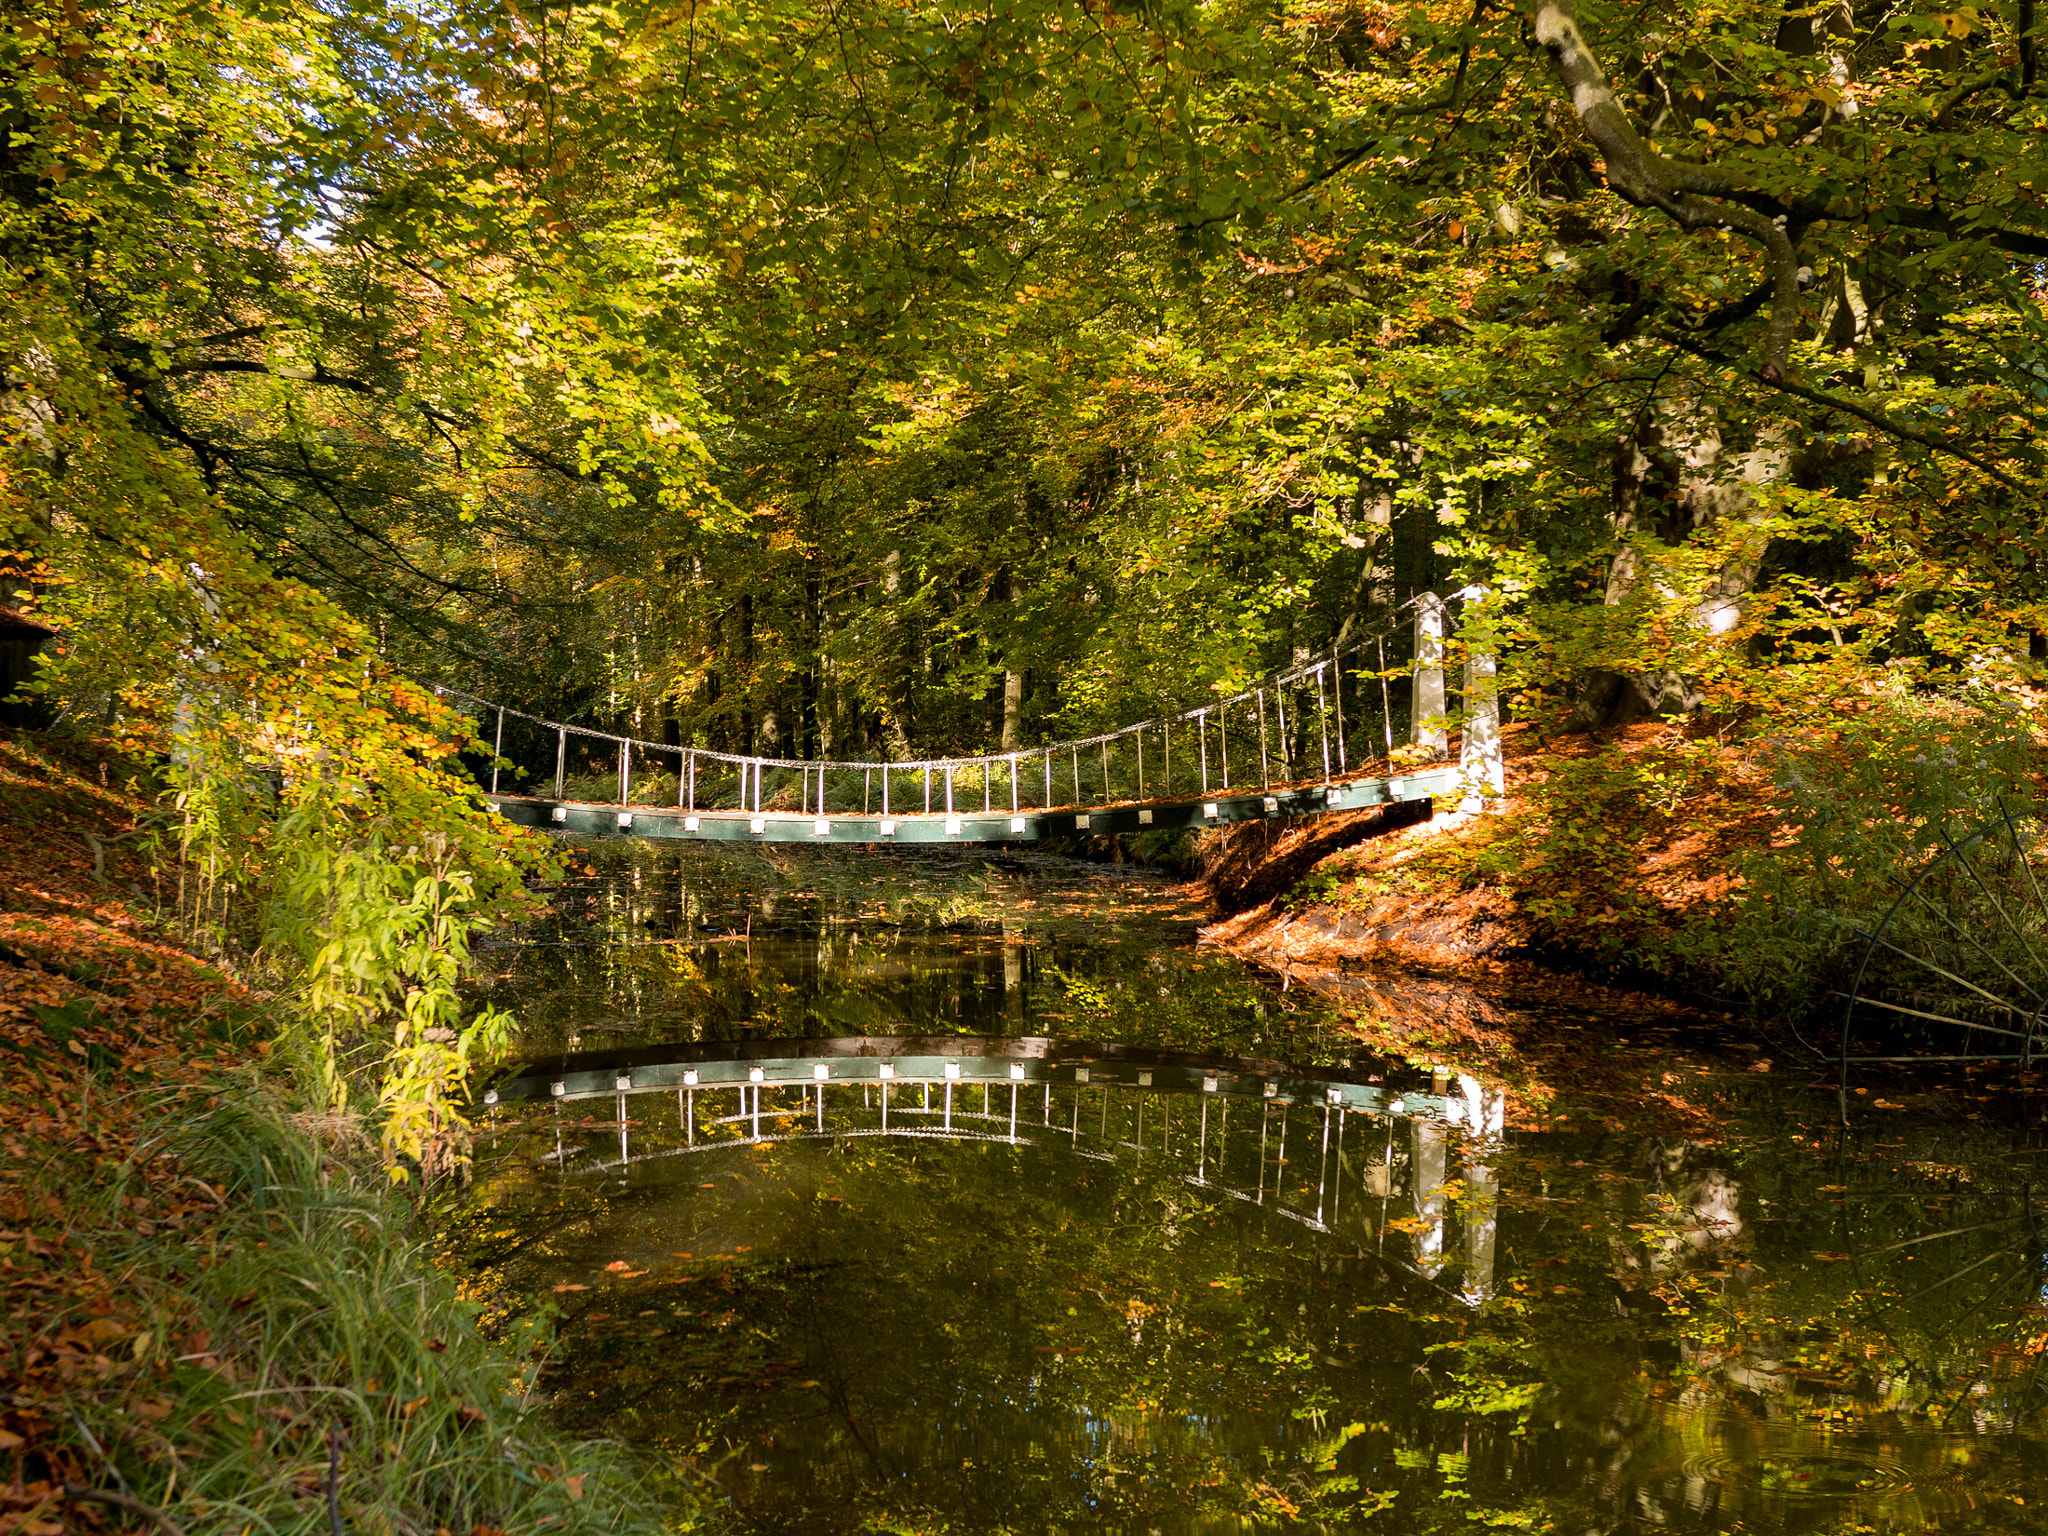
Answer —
895 381
806 380
886 379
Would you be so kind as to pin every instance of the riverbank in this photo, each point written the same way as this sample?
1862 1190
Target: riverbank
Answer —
1676 911
218 1314
1605 854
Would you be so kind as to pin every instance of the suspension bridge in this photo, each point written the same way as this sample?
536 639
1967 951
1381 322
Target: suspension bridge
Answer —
1366 722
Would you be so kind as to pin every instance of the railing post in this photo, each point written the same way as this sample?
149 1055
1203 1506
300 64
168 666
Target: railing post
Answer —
1013 783
1480 768
1265 770
561 757
497 749
1105 769
1202 734
949 789
1323 722
1139 734
927 789
1337 687
987 789
1386 699
1286 743
867 790
686 786
885 789
625 767
1428 725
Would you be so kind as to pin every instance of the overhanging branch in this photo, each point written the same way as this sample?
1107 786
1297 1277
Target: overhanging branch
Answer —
1890 425
1694 196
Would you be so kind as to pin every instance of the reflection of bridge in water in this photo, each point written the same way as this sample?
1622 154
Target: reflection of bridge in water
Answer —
1355 1161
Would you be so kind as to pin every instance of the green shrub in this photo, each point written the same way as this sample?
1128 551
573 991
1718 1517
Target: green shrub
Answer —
1864 806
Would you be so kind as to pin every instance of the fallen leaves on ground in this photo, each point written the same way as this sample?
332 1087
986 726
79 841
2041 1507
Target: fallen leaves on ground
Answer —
103 1019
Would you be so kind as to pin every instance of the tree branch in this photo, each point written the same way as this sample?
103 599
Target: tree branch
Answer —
1887 424
1453 101
127 1501
320 375
1876 418
1685 193
2020 242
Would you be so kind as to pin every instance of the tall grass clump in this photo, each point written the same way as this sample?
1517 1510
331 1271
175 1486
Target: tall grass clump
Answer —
316 1372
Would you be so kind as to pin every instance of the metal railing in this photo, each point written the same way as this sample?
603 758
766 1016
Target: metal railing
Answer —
1317 739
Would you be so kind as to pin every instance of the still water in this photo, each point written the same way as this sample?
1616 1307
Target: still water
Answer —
1041 1218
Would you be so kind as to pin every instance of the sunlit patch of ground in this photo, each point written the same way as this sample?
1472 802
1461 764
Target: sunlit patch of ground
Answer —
1603 850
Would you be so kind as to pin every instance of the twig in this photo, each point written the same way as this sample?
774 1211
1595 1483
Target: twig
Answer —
99 845
98 1450
125 1501
334 1481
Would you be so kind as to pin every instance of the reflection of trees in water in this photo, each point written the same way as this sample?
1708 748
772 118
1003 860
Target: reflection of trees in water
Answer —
1041 1339
1654 1342
683 943
1771 1372
1650 1336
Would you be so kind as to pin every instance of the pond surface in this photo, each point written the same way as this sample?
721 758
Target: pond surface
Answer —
1185 1248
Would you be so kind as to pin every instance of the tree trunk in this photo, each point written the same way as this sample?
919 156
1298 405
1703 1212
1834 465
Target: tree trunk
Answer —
1676 478
1013 677
895 680
743 678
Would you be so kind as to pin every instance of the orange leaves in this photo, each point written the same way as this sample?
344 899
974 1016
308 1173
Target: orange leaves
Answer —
87 996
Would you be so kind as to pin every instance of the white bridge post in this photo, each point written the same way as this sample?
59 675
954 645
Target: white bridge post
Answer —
1428 724
1481 774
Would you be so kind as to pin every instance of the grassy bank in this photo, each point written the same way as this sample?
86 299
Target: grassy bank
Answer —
219 1315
